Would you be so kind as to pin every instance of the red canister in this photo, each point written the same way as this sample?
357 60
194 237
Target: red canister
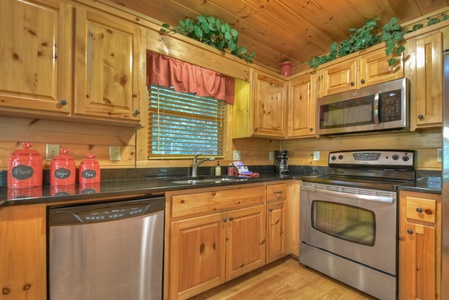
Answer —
25 168
89 170
62 169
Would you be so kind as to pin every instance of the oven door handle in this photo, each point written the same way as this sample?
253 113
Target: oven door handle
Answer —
384 199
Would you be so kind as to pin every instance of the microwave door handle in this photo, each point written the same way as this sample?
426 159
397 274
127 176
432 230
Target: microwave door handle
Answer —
376 108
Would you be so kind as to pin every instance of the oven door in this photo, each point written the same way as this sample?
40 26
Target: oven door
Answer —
357 224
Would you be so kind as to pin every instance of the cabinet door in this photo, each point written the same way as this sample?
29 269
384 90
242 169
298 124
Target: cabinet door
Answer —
269 101
374 68
302 106
23 252
340 77
106 66
276 230
420 264
427 85
34 59
197 256
245 241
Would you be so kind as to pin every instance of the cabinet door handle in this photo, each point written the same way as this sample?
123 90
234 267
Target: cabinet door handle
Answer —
421 117
409 231
137 112
311 129
270 210
419 209
352 83
362 81
224 220
231 218
63 102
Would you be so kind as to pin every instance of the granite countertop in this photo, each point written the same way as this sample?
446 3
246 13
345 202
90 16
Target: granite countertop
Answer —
427 183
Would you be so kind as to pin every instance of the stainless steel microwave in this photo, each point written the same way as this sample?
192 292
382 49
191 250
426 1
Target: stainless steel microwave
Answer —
377 107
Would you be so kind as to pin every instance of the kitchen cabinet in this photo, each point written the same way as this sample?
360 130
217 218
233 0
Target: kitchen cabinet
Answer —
107 64
367 68
424 68
36 65
269 98
303 92
215 235
277 221
419 245
23 252
70 61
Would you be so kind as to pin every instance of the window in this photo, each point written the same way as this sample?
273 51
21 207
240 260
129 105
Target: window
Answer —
183 125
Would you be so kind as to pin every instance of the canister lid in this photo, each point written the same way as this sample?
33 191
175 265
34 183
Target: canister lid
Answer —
90 160
63 156
26 152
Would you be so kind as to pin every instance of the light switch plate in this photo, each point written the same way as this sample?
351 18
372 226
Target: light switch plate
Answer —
271 155
439 155
114 153
51 150
236 155
316 155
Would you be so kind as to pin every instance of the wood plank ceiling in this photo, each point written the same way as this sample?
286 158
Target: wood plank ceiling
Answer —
280 30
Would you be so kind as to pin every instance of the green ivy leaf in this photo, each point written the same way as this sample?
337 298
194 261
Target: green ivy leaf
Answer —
198 32
417 26
433 21
391 61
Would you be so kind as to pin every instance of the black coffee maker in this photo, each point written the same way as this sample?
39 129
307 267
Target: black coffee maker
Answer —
281 162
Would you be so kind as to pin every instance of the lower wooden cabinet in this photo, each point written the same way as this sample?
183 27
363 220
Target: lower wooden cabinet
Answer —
23 252
276 221
419 246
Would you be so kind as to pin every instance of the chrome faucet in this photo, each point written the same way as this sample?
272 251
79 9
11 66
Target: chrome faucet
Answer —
195 164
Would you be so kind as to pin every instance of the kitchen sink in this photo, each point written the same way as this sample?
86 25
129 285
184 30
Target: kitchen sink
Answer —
193 181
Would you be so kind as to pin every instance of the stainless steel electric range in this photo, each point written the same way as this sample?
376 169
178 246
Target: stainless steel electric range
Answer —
348 219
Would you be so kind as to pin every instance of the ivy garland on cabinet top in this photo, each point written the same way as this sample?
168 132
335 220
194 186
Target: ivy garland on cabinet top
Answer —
366 36
212 32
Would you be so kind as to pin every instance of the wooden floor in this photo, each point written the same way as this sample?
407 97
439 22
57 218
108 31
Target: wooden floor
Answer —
283 279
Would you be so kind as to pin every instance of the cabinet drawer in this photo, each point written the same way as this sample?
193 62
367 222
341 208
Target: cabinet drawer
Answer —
420 209
208 202
276 192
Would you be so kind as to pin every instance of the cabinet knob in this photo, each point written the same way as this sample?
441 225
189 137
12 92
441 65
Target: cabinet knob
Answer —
63 102
362 81
311 129
5 291
270 210
352 83
137 112
421 117
419 209
409 231
224 220
255 129
231 218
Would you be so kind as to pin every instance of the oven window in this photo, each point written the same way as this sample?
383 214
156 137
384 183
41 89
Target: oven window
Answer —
350 223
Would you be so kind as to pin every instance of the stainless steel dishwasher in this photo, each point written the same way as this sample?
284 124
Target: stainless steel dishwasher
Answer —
107 251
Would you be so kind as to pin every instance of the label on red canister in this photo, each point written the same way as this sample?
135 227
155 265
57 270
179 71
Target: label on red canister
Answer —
62 173
88 174
22 172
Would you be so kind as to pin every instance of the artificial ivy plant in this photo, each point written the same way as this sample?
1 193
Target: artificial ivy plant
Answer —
366 36
212 32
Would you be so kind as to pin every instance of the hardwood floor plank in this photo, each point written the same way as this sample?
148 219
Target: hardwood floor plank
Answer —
285 279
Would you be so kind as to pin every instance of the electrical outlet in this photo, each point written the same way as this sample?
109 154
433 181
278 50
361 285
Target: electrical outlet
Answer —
271 155
114 153
316 155
51 150
236 155
439 155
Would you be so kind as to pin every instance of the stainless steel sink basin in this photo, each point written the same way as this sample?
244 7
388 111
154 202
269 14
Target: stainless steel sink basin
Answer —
209 180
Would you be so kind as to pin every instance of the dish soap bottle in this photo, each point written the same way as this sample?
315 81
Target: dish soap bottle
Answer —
218 169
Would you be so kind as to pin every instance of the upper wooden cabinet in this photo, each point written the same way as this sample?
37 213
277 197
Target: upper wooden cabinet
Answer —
424 68
269 105
64 59
303 92
34 56
368 68
106 63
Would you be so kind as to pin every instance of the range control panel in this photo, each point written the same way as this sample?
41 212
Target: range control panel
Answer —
374 157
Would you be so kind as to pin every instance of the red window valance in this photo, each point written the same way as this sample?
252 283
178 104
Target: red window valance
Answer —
188 78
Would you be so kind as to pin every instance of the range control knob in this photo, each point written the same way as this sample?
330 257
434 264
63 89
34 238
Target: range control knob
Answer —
340 156
405 158
333 157
395 157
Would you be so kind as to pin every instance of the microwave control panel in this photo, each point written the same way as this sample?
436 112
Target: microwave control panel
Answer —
390 106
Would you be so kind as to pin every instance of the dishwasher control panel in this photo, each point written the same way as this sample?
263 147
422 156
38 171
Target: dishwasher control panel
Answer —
112 213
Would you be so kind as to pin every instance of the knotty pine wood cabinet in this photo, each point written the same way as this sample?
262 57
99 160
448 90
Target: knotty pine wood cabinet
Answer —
106 50
419 246
269 105
214 235
368 67
424 68
23 252
276 221
303 92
